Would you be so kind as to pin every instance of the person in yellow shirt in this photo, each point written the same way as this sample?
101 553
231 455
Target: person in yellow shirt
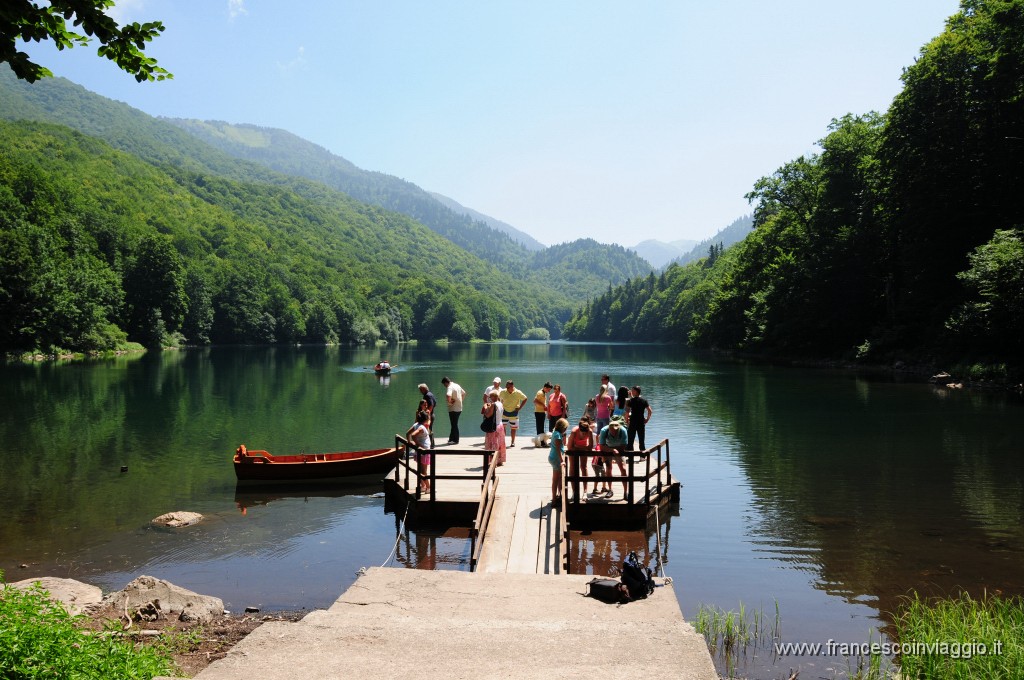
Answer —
540 410
512 399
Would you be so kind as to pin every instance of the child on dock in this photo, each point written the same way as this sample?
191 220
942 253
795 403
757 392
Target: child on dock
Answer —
555 458
419 435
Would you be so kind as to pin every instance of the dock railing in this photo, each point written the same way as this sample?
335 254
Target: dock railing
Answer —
563 522
656 472
478 532
406 473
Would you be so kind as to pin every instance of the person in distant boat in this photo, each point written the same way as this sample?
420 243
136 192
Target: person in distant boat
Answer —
495 441
540 409
555 457
558 406
638 413
419 435
454 395
512 399
428 403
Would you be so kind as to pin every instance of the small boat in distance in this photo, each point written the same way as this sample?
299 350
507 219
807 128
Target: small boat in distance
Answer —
382 368
258 465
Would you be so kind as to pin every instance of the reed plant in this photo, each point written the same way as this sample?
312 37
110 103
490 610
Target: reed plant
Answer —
39 639
961 637
731 634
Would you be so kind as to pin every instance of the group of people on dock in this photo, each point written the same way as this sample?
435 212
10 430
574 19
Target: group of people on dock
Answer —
612 422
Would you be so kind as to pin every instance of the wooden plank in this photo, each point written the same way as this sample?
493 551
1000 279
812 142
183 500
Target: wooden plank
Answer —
498 541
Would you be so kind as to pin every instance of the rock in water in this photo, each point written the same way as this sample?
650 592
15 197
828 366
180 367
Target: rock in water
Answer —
178 519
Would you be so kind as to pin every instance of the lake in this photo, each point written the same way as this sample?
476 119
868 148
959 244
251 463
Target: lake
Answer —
827 493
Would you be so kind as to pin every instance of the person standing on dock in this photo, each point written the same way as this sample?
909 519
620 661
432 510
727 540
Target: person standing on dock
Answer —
605 406
495 386
612 440
419 436
558 406
512 399
454 394
428 402
555 458
638 412
540 409
581 440
495 441
608 385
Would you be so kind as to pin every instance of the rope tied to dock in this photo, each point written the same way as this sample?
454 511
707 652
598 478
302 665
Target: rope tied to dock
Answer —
398 539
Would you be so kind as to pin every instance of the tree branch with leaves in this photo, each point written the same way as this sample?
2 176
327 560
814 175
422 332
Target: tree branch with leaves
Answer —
27 21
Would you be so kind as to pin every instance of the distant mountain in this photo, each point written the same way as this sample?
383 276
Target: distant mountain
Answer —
734 233
588 267
529 242
660 253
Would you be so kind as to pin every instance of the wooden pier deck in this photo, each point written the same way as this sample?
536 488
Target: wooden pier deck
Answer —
523 532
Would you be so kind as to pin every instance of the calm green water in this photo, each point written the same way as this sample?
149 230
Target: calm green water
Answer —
832 493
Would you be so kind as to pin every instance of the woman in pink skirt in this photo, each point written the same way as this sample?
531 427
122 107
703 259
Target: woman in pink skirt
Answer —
495 441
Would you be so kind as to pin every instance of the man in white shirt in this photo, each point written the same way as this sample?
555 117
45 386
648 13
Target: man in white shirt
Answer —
454 394
494 387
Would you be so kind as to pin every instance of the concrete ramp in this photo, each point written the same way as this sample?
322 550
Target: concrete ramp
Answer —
445 624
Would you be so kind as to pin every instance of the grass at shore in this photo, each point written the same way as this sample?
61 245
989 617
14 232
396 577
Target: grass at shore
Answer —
39 639
961 637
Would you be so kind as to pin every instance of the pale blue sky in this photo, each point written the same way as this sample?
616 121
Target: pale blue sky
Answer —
613 120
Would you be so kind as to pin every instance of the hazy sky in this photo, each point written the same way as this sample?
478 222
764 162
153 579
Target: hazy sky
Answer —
614 120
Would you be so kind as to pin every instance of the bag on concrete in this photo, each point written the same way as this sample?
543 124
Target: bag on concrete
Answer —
607 590
637 578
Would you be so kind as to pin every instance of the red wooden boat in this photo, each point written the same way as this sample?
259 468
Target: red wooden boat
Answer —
261 466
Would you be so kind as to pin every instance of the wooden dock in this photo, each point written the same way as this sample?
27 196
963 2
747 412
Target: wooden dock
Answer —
515 527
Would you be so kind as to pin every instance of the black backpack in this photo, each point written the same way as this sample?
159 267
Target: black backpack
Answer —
607 590
637 578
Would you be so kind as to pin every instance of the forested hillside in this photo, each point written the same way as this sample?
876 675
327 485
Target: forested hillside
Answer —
578 270
289 154
97 245
904 234
737 230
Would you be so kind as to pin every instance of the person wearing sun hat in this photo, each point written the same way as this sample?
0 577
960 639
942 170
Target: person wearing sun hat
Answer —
495 386
612 441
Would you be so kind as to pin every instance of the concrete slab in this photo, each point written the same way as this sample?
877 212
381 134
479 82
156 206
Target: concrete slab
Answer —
435 624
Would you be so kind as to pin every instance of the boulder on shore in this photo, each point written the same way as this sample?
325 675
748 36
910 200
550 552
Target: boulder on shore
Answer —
74 595
167 599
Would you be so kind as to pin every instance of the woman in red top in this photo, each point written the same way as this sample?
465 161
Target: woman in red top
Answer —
558 407
581 440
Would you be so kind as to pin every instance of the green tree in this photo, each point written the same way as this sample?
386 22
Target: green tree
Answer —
155 298
994 309
29 22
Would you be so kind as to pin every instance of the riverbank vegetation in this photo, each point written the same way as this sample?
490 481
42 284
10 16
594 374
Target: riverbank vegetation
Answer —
902 236
953 638
40 639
